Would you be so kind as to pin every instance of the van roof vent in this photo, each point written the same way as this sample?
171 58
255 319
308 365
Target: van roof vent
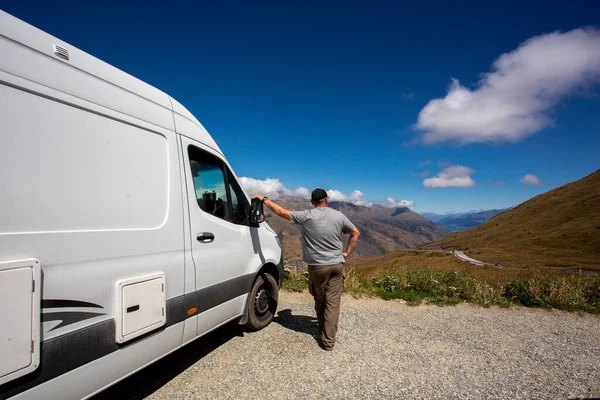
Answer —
61 52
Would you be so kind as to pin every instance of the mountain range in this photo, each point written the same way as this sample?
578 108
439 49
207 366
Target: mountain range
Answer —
382 229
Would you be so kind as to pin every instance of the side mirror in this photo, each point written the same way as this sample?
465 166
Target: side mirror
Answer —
256 212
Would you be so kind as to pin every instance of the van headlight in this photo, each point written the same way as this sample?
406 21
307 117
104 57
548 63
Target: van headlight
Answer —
278 241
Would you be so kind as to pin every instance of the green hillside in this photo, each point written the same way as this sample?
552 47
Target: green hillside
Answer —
559 229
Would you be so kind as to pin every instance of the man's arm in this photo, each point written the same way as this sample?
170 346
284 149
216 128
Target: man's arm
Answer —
276 208
352 242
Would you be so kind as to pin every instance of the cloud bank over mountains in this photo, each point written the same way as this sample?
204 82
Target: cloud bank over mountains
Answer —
273 188
390 202
513 100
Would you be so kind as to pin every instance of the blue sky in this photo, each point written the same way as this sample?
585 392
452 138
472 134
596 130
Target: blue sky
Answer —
339 94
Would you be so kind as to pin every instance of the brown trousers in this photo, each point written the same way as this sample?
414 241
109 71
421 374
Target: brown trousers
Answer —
326 283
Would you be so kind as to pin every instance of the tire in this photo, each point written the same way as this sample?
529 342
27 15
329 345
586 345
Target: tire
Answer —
262 302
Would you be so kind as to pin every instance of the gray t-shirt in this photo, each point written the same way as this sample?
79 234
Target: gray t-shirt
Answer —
322 230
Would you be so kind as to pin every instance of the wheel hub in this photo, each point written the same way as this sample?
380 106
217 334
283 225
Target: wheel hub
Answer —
261 301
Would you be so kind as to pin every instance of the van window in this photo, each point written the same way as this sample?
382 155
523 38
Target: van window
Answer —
239 203
209 183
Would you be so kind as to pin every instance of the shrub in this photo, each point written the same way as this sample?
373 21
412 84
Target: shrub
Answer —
573 293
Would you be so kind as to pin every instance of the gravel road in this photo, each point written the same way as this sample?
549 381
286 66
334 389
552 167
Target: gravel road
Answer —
385 349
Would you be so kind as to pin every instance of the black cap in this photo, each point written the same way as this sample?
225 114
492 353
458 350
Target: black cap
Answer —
318 194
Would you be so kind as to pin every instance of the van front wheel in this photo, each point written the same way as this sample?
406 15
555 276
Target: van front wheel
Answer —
262 302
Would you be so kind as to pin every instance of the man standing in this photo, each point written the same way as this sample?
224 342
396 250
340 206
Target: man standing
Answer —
322 250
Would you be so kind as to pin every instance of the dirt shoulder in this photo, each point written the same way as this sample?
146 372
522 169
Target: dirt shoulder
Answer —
386 349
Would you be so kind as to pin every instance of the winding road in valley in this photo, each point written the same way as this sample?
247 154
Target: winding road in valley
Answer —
462 256
468 259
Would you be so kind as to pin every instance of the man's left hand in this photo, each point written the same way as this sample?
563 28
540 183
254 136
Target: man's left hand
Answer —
258 196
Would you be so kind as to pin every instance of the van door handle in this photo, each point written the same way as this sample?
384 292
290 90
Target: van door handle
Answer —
205 237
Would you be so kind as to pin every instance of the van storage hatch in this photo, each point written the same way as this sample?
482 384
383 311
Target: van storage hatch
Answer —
19 318
140 306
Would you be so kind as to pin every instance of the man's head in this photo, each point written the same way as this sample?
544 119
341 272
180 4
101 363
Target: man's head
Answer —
319 198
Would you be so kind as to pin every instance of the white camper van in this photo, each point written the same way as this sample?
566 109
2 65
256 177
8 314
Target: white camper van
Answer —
124 232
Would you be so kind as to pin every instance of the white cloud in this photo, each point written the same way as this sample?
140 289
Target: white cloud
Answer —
456 176
336 195
273 188
392 203
497 183
356 197
301 192
531 179
513 100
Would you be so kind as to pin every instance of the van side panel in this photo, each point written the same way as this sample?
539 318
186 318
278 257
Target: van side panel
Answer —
72 170
96 196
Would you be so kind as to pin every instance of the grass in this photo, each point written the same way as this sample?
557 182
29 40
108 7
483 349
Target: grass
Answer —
436 278
294 282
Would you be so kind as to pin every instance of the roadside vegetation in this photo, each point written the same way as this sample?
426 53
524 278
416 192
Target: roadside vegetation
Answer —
435 277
